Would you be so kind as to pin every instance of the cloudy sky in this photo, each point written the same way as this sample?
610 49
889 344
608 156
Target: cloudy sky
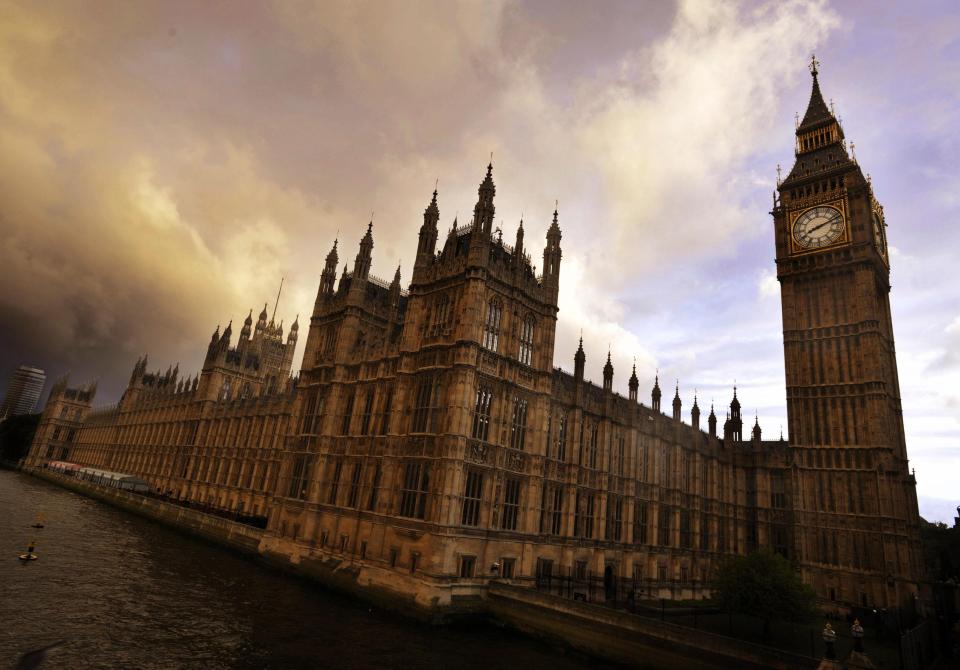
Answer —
163 165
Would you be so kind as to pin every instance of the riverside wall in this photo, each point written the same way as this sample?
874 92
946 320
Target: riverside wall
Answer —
627 638
614 635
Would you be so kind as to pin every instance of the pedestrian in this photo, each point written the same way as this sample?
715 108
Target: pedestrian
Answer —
829 640
856 632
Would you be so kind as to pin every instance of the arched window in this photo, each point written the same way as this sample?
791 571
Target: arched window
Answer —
526 341
491 328
481 414
441 313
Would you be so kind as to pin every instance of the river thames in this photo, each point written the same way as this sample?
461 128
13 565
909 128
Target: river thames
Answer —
124 592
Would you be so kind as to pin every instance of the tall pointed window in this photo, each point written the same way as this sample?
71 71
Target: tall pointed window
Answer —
441 313
592 447
511 504
518 427
640 522
560 446
472 497
583 515
491 327
614 528
348 413
481 414
413 494
526 341
367 413
425 409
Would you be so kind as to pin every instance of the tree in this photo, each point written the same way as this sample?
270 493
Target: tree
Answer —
16 434
941 550
763 584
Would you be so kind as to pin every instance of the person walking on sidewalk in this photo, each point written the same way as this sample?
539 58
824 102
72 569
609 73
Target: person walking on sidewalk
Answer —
829 640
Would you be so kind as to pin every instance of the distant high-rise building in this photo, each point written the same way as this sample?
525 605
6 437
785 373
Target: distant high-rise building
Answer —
23 392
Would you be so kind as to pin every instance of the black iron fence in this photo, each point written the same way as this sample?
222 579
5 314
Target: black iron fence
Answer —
887 639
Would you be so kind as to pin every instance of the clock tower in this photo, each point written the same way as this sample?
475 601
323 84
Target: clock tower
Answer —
857 522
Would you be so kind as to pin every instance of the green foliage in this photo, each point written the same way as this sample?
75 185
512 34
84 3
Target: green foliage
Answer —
941 550
16 434
763 584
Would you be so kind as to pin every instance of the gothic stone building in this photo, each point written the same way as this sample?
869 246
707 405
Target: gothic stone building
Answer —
214 439
429 444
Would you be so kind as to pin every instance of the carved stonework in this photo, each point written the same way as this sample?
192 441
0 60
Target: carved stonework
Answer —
477 453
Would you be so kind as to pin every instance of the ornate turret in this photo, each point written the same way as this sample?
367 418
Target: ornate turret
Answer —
820 140
427 245
483 211
551 259
245 332
518 245
695 413
608 375
579 362
262 319
756 428
677 404
395 288
329 275
655 394
736 423
294 330
634 384
712 422
361 267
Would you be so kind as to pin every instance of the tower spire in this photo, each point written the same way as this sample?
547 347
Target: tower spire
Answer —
818 112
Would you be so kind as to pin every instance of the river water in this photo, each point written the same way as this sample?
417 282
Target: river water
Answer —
124 592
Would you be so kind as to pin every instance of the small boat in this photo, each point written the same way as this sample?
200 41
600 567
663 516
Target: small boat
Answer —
29 556
39 521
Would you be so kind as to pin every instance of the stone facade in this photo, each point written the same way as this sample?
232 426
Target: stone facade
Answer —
429 443
213 439
857 522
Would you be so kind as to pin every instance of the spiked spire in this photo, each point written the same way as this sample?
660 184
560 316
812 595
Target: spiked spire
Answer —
677 404
483 211
634 383
361 267
608 374
329 275
551 258
817 110
518 246
427 245
332 257
695 412
579 361
655 393
395 287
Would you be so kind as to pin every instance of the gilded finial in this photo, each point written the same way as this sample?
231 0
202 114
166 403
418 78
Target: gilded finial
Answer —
814 63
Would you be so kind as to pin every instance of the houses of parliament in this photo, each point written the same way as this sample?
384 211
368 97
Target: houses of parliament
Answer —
429 445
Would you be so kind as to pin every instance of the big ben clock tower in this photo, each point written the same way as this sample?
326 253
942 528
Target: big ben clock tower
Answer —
857 523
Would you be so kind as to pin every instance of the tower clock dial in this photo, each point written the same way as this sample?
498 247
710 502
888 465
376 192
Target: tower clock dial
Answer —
879 238
818 227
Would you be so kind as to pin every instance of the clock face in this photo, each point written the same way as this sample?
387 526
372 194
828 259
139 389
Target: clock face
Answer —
818 227
879 239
